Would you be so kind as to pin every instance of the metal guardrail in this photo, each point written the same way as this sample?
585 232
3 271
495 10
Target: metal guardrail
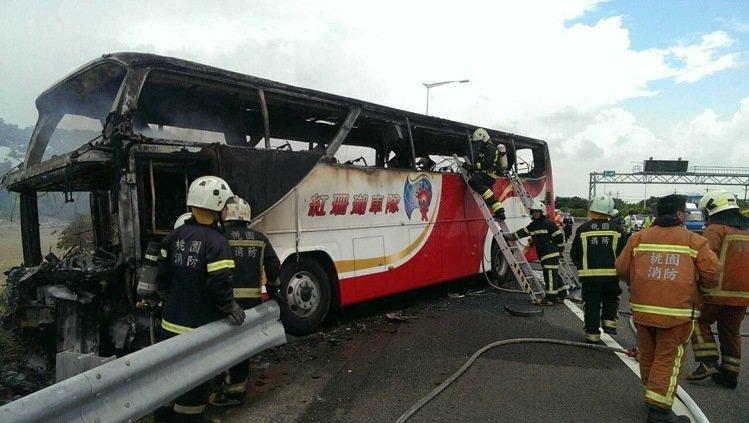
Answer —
130 387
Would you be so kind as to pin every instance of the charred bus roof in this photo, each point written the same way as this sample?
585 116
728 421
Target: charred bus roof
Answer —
147 91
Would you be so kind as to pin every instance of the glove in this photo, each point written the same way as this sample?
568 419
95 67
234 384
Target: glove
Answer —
469 166
274 289
508 236
236 314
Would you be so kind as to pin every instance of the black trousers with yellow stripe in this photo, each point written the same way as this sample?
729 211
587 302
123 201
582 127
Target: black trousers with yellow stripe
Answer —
236 378
554 287
482 183
601 305
190 406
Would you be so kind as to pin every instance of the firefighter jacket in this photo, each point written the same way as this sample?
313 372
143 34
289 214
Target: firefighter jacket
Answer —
195 270
664 265
255 261
594 250
547 237
486 158
732 246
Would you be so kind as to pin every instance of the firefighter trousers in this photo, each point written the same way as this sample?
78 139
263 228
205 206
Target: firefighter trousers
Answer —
661 357
554 288
601 305
482 183
729 320
190 406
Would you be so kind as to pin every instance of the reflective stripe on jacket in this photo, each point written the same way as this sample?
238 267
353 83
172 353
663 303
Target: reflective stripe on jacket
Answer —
664 266
256 262
732 246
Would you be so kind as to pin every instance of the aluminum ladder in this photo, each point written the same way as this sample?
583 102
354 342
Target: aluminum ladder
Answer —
569 276
511 251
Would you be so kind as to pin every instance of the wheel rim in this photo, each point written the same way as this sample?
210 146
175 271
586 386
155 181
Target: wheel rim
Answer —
303 294
504 267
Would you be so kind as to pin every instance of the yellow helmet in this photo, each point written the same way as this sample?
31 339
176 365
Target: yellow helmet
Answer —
717 201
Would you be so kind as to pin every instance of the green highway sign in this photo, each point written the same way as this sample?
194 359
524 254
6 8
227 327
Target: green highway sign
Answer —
609 173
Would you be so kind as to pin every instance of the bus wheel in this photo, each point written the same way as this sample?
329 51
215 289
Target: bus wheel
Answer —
500 272
306 295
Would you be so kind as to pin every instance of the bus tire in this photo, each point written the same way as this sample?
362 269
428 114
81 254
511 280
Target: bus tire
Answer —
500 272
305 295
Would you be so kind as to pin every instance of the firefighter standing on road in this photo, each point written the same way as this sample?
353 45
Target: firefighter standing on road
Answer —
194 277
255 261
549 242
597 244
568 222
728 233
664 265
489 162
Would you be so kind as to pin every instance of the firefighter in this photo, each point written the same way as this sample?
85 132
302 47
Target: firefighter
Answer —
194 278
728 232
255 261
558 218
490 161
549 242
597 244
568 223
617 218
665 266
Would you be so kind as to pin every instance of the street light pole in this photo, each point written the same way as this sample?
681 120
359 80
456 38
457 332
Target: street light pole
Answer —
437 84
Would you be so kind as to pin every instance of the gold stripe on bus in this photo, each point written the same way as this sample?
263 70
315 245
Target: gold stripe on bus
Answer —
345 266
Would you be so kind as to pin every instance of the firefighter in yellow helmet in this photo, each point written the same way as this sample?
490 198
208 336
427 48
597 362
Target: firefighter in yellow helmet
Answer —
490 161
728 232
597 244
255 261
549 242
194 278
666 266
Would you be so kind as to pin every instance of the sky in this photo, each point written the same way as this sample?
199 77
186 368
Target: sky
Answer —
606 83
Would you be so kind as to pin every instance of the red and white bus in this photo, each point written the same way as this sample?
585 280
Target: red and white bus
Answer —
359 200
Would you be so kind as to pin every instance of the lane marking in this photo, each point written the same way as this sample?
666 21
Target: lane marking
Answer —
678 407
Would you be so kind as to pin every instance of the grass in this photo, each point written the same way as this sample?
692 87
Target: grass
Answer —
12 252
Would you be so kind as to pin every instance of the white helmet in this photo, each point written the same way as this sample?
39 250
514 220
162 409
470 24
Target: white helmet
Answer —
539 205
718 201
209 192
603 204
237 209
614 212
182 219
480 135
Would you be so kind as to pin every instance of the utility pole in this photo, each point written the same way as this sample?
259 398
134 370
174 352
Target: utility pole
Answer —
437 84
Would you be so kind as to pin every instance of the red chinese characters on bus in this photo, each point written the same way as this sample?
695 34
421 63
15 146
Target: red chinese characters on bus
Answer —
359 205
317 205
340 204
392 203
376 206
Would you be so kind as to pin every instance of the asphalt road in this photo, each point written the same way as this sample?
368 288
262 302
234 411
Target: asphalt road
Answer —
364 366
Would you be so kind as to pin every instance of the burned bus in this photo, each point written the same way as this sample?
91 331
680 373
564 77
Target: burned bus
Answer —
359 200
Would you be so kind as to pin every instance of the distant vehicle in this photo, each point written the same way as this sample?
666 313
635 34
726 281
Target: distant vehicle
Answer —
695 221
639 222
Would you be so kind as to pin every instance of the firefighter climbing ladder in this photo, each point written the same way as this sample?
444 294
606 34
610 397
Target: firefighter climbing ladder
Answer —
511 252
569 277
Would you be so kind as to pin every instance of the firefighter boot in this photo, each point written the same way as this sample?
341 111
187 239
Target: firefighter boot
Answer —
500 214
660 415
725 379
223 399
704 370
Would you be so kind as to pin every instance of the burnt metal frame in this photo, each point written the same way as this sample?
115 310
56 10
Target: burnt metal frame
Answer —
691 178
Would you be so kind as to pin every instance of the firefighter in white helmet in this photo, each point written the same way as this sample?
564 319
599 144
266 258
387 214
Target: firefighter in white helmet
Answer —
255 262
597 244
728 232
549 242
490 161
194 277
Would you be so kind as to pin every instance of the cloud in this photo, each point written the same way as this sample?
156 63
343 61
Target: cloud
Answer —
703 59
612 139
